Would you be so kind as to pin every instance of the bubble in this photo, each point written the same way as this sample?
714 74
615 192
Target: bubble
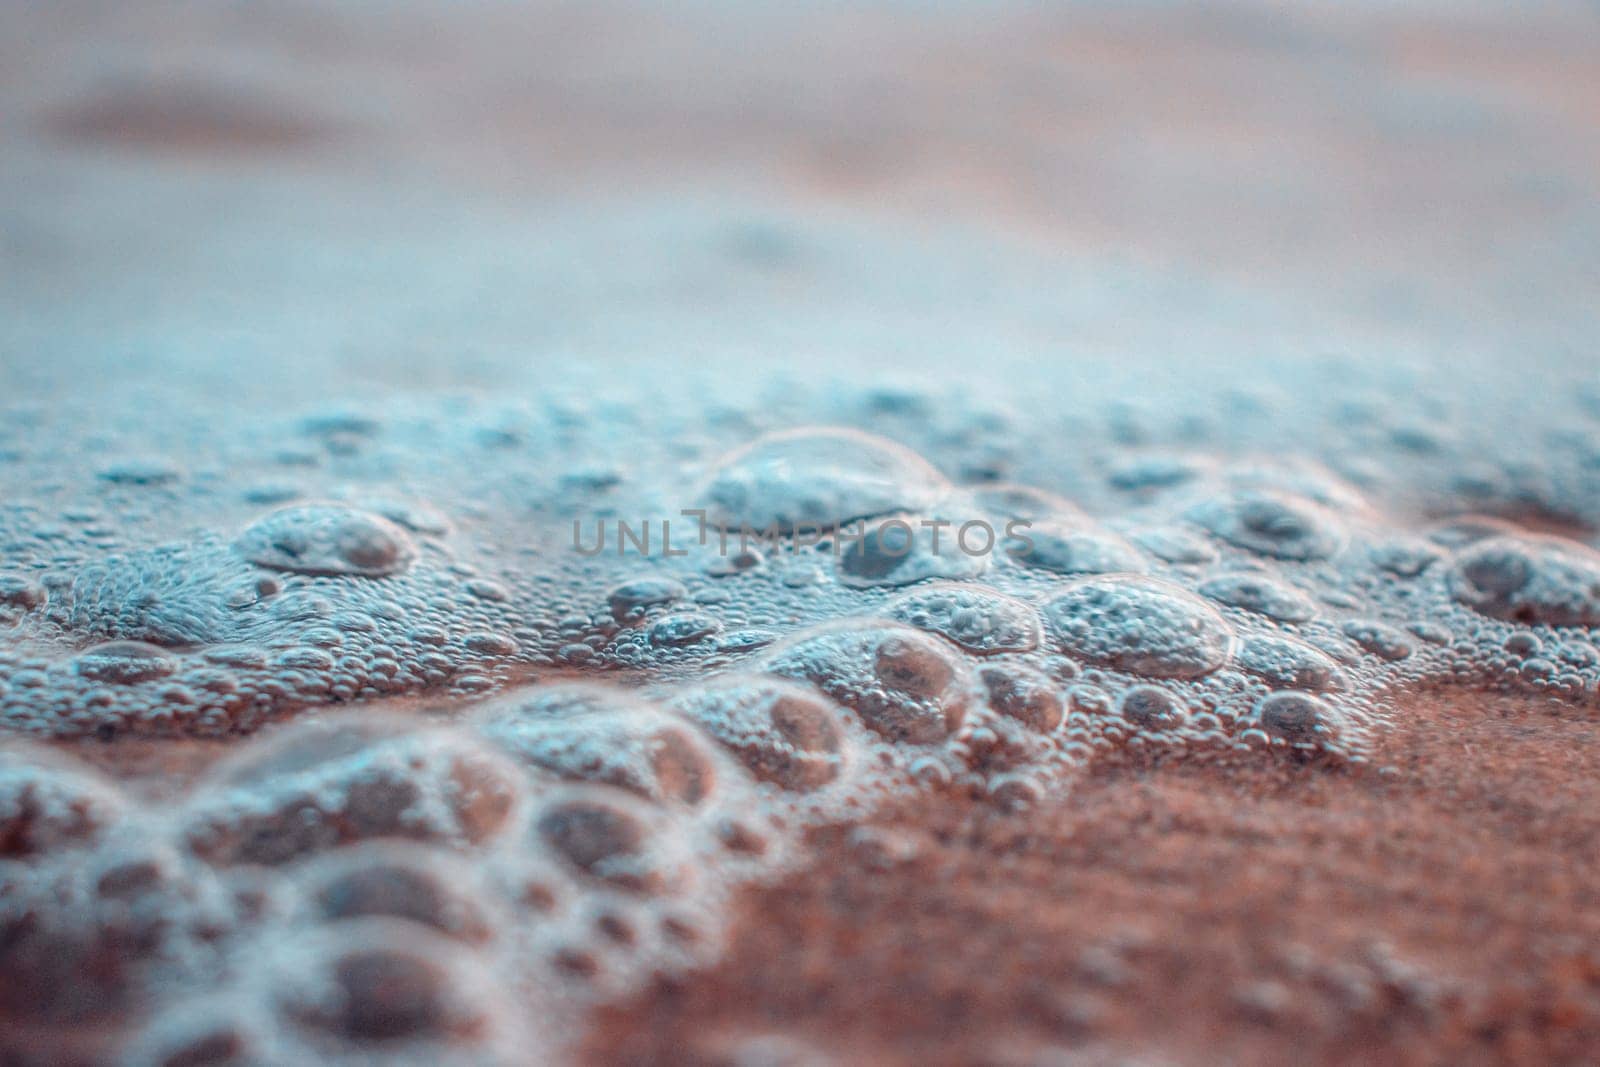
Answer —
1147 473
594 734
204 1041
323 783
1380 640
1405 557
1024 694
1544 580
328 539
391 879
58 967
903 550
141 472
79 943
1464 530
1150 707
125 663
689 628
817 477
19 595
416 516
976 618
1523 645
1141 625
1286 663
48 803
631 598
1174 544
485 643
1298 718
1277 524
783 733
1024 502
1066 548
902 683
1260 594
377 983
610 836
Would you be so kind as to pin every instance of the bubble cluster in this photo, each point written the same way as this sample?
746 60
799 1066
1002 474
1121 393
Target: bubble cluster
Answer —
443 774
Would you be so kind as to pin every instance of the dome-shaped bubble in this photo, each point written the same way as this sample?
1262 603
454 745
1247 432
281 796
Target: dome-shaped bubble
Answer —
1405 557
49 803
1297 476
330 539
1463 530
598 734
902 683
683 629
817 477
379 983
1287 663
1277 524
211 1033
610 836
1529 579
400 881
1139 625
1072 548
1008 500
1147 474
974 617
1383 641
60 966
1175 544
1260 594
319 784
913 548
1298 718
783 733
629 600
124 662
19 595
1151 708
1024 694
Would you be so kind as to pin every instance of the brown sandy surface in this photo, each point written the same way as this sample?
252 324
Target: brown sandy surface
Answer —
1441 906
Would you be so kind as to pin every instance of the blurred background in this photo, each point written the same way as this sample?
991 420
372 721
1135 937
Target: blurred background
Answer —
273 199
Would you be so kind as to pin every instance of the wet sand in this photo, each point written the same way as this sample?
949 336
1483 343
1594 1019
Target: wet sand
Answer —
1440 906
